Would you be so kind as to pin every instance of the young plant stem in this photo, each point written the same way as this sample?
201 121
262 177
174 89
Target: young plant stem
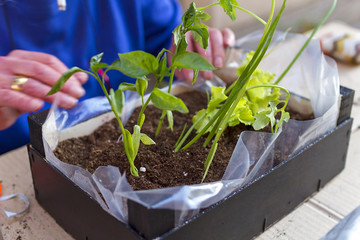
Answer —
181 142
144 106
163 114
272 11
208 6
240 8
103 87
130 159
180 137
171 79
323 20
253 15
209 158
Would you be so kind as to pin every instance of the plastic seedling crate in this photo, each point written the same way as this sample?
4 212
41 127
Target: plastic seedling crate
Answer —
242 215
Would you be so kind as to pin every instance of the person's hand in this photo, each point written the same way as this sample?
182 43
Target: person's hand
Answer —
39 71
215 53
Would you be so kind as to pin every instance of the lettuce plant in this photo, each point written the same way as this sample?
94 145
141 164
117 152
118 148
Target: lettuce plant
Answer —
257 108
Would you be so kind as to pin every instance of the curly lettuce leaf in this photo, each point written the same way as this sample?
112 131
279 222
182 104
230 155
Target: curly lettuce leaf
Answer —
257 108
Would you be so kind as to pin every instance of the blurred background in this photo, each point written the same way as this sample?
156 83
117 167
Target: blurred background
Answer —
299 15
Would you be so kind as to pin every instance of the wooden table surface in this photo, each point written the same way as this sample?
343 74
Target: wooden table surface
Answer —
311 220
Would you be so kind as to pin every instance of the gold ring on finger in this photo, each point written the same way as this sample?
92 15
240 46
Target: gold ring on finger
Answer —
18 83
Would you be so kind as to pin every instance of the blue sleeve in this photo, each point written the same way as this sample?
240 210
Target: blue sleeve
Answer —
160 19
113 26
15 136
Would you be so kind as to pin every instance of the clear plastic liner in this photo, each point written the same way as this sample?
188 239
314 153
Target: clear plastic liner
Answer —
346 229
313 77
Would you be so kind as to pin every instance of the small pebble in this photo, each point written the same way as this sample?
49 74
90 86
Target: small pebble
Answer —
185 174
142 169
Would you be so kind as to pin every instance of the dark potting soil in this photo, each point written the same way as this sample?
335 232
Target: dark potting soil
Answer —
164 167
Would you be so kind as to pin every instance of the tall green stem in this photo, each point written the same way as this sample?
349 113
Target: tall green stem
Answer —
144 106
307 41
171 79
208 6
109 100
252 14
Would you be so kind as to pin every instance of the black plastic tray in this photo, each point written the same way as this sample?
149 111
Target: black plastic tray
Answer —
242 215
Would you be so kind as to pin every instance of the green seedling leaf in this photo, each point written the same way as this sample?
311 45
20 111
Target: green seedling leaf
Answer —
98 66
272 113
180 137
145 139
135 64
135 137
181 47
62 80
181 140
189 15
125 86
209 159
261 96
133 170
195 75
141 86
201 16
241 114
285 116
129 149
217 97
117 100
170 119
96 59
203 117
163 114
191 60
177 34
163 69
166 101
261 120
142 119
161 53
201 35
229 7
130 153
95 63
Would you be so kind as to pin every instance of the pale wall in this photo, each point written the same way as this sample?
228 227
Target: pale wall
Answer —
299 16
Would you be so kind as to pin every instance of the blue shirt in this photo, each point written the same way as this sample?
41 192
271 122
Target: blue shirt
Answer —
86 28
